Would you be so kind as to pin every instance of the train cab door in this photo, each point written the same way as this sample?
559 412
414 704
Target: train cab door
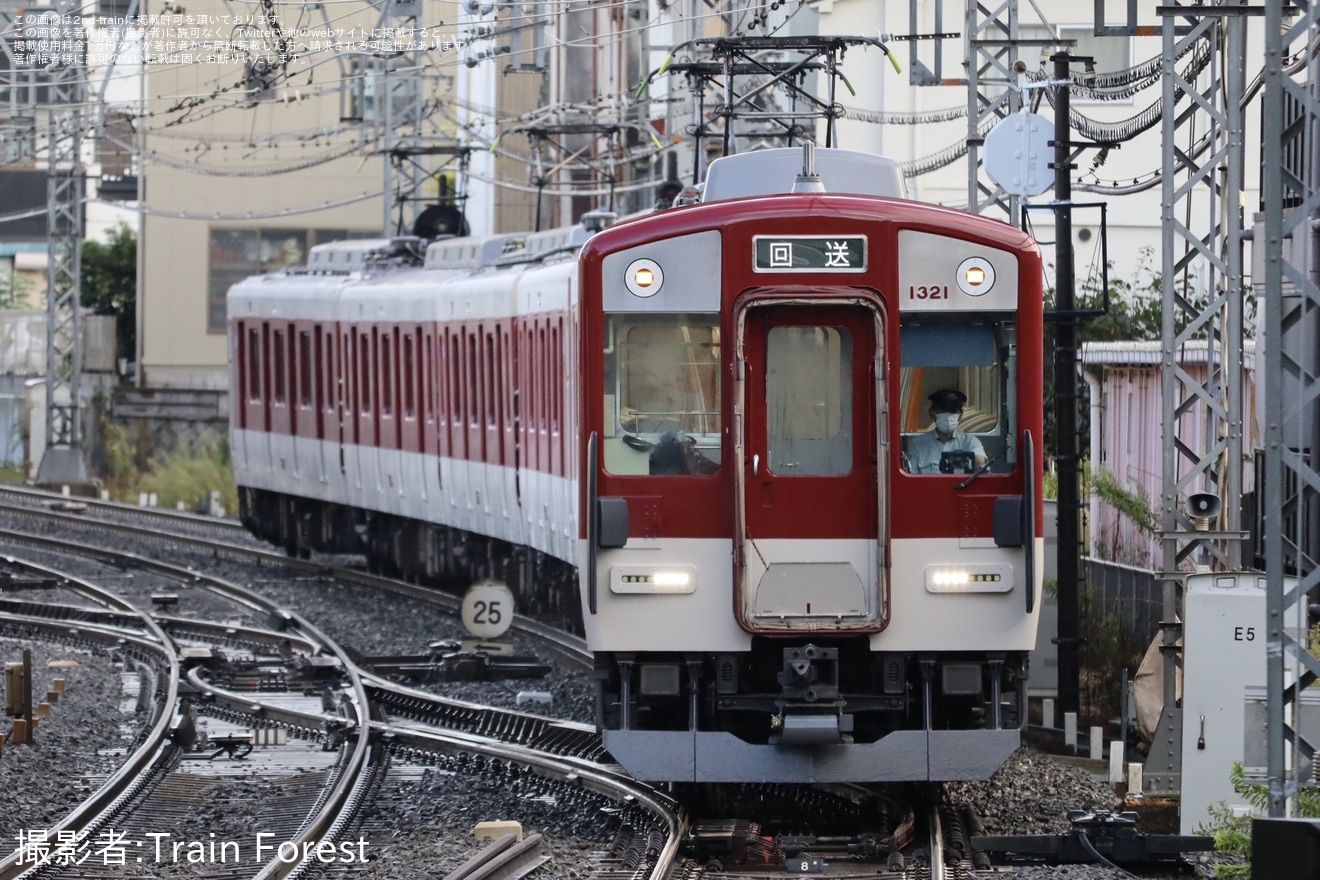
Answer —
809 386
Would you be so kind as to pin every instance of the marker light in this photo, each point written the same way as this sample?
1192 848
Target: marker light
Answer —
977 577
976 276
673 578
644 278
653 579
949 577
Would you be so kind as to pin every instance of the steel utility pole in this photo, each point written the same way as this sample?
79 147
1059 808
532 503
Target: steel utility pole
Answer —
1291 123
1202 332
62 462
1065 399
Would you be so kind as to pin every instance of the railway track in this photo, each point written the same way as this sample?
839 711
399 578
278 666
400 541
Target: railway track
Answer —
401 726
500 739
156 788
226 539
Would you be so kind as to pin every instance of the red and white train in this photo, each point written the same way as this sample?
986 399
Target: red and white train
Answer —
700 433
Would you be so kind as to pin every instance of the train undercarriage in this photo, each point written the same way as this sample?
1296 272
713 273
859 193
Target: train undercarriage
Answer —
805 694
415 551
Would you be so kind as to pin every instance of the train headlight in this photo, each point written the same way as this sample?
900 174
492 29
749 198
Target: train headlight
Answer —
644 278
976 276
977 577
653 579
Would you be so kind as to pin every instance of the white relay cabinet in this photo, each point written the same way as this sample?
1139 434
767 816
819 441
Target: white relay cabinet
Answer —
1223 658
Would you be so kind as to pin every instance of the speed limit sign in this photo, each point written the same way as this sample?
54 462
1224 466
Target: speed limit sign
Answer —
488 609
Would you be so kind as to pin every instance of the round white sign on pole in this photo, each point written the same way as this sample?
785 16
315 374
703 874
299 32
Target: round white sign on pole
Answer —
1017 154
488 609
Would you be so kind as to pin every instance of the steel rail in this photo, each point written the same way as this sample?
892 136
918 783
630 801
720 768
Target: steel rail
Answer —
331 818
506 858
571 646
157 747
158 514
482 717
609 781
616 785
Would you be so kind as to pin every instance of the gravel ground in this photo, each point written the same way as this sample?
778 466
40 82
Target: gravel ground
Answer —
425 823
375 624
39 784
426 826
361 620
1032 794
424 820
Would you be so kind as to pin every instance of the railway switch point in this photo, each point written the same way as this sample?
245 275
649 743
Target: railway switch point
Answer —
235 748
1112 834
9 581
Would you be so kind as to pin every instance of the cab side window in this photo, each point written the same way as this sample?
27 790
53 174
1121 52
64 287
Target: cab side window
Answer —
978 358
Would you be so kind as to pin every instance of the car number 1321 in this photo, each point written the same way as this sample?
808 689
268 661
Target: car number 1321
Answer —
939 291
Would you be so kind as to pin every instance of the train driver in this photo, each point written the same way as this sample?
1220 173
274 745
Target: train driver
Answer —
945 449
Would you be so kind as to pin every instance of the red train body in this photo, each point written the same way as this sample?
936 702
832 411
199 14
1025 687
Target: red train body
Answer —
709 436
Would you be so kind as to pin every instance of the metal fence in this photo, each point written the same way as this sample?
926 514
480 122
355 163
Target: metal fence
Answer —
1131 594
13 421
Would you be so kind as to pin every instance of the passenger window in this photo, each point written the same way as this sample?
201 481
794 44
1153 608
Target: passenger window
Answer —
662 394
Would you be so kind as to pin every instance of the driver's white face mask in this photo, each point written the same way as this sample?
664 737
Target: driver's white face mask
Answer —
946 422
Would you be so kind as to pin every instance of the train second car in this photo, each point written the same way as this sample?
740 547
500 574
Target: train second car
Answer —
773 585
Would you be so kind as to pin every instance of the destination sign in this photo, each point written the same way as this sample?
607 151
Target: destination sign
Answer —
809 253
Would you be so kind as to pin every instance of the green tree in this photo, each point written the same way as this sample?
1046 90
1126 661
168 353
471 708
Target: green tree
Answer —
1135 313
109 283
14 290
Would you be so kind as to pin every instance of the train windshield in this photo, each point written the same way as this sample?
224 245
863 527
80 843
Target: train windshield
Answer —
963 367
662 394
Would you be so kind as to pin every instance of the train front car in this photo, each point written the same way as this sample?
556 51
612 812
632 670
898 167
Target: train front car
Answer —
780 580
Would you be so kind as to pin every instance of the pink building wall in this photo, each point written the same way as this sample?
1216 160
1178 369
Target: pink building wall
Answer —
1129 438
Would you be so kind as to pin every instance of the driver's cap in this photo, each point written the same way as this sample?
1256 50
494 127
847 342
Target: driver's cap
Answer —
948 399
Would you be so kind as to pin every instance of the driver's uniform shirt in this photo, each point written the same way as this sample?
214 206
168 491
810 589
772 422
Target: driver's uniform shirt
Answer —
924 450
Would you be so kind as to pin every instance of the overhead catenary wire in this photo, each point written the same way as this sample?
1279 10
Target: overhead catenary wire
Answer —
186 104
193 108
1121 83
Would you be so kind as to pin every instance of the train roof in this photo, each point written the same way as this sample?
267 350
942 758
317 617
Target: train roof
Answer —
505 249
771 172
467 253
345 256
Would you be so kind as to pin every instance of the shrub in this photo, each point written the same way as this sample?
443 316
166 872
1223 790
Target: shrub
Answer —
187 476
190 477
1232 833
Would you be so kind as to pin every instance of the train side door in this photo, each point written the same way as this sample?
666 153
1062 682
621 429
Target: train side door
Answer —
809 540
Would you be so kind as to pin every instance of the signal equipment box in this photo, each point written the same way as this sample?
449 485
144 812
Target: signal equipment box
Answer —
1223 673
